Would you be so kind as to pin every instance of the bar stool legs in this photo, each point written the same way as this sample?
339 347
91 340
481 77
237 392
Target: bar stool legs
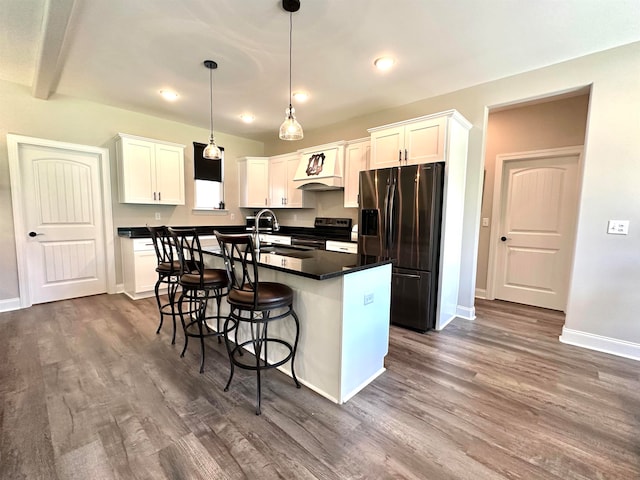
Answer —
259 343
196 315
169 307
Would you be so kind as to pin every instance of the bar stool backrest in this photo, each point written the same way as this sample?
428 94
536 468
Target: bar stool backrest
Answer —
187 244
239 253
162 245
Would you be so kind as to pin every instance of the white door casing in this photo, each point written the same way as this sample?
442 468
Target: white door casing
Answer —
532 239
62 193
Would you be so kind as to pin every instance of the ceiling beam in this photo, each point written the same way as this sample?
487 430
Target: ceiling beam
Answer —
56 21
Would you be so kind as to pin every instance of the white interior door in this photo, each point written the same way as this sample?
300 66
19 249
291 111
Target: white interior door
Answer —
536 230
65 246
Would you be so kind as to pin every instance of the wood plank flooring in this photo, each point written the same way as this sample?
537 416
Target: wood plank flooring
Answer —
89 391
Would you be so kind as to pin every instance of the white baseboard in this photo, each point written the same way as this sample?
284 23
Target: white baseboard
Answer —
119 287
439 328
481 293
10 304
468 313
591 341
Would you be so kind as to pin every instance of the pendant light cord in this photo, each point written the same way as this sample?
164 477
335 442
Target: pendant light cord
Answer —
290 30
211 99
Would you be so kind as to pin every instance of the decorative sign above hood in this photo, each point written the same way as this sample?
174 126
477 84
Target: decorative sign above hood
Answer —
321 168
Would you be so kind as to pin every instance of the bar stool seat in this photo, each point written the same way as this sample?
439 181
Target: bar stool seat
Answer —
270 295
252 304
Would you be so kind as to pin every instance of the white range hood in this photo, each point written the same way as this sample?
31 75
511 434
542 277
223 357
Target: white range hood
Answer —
321 167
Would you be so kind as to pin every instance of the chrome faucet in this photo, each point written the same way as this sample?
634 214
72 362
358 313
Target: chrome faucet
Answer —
256 232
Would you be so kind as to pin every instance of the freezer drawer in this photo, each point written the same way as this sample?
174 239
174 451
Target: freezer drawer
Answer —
412 299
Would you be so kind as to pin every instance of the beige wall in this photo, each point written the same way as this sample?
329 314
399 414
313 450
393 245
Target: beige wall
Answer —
71 120
559 123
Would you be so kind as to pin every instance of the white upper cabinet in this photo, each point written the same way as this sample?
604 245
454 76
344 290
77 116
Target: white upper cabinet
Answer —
282 191
253 178
356 160
421 140
149 171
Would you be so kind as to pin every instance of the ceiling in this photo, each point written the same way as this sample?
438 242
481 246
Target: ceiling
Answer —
123 52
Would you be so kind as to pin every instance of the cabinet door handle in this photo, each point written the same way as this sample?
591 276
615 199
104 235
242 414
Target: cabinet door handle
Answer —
399 156
154 196
159 196
406 156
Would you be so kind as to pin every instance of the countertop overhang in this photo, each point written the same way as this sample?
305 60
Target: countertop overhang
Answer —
316 264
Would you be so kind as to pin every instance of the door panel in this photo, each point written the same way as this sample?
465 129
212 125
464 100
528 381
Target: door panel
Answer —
411 297
539 199
62 189
169 172
424 141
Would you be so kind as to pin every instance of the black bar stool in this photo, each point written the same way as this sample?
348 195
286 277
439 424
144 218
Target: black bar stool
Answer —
168 271
199 284
252 303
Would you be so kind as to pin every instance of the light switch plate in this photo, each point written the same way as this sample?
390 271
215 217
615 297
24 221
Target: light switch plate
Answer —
485 222
618 227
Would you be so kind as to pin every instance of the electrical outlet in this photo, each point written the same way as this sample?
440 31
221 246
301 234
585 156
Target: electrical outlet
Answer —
232 216
158 216
368 298
618 227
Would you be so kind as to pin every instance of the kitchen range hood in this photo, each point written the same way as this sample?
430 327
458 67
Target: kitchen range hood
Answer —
321 168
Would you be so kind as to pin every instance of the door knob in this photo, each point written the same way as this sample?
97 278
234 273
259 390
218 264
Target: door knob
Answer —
33 234
504 239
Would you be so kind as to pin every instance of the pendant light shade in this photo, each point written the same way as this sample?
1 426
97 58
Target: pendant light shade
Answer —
211 151
290 128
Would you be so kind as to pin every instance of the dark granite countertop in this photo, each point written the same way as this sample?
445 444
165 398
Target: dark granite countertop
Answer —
316 264
142 232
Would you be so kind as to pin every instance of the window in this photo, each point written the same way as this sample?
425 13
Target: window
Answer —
209 180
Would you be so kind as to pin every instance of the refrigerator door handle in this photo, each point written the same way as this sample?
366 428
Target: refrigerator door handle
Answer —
385 244
390 225
405 275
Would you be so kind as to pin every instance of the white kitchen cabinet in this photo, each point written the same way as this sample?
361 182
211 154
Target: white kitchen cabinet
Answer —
275 239
344 247
421 140
356 160
149 171
139 263
282 191
253 178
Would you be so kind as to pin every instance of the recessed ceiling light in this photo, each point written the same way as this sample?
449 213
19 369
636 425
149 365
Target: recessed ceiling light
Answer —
384 63
169 95
301 96
247 117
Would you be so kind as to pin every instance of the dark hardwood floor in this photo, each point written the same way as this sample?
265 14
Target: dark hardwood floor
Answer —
89 391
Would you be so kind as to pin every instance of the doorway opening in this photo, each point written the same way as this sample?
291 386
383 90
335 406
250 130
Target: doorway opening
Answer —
533 172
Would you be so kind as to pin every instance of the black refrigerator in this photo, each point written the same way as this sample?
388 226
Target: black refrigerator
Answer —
400 218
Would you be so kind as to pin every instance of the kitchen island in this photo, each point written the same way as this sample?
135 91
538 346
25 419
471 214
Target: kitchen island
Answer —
343 302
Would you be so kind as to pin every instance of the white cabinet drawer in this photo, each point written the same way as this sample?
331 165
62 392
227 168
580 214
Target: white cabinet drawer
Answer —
344 247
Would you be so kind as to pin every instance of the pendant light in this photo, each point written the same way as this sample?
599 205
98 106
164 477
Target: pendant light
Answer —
290 128
211 151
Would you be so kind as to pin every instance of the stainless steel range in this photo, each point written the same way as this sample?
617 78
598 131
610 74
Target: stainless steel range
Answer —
324 228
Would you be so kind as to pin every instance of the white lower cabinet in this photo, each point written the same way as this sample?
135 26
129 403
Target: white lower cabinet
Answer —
139 263
344 247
